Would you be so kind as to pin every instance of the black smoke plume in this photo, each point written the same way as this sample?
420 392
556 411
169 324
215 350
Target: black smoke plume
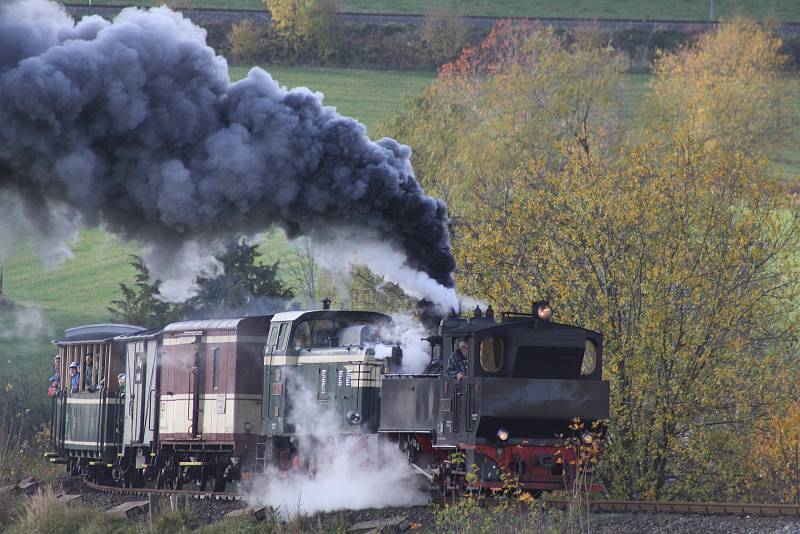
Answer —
134 125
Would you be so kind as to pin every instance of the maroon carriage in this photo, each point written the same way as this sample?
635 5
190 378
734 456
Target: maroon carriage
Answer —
210 401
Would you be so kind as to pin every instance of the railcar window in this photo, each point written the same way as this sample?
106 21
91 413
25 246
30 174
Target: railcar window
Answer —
215 370
589 358
273 336
282 336
491 354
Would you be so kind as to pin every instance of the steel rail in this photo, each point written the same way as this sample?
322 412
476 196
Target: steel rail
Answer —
685 507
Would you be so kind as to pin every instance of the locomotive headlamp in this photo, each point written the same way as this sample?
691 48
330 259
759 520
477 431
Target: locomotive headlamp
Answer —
543 310
503 434
354 418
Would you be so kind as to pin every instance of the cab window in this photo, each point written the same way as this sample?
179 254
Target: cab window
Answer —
317 333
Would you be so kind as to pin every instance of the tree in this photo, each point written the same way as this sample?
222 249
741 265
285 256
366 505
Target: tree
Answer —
246 42
245 288
306 24
442 34
729 90
141 302
523 94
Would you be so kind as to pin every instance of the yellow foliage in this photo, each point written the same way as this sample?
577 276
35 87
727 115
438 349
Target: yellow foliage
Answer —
776 458
730 90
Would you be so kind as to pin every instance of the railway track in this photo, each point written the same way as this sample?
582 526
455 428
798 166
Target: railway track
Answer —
165 492
661 507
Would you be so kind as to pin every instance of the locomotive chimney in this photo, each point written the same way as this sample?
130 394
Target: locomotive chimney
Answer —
489 312
326 303
477 313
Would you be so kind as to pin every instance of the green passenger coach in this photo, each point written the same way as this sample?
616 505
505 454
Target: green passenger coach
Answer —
88 409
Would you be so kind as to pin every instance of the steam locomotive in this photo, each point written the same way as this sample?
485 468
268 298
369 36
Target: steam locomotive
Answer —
195 411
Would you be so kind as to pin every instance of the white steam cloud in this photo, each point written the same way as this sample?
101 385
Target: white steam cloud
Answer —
409 334
22 322
353 472
341 248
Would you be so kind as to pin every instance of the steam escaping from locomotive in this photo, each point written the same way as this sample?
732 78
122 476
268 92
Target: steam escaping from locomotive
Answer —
135 126
325 473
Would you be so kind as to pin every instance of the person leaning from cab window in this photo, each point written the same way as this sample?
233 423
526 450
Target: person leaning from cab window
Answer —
457 364
74 377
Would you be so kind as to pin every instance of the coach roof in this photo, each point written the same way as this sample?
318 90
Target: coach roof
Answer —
209 324
96 333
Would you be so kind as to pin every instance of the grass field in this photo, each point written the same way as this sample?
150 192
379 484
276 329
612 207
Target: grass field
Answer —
368 95
782 10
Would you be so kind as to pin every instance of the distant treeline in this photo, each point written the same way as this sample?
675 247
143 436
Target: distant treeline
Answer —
414 46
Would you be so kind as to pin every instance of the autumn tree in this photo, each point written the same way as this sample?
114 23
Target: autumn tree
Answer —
442 34
306 24
730 90
245 41
522 94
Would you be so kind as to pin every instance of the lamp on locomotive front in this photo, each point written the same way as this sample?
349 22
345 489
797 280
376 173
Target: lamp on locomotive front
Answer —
542 310
503 434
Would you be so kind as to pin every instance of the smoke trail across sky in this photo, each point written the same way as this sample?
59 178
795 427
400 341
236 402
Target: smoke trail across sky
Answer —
134 125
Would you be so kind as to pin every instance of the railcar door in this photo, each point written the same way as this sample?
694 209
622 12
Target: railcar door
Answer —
273 406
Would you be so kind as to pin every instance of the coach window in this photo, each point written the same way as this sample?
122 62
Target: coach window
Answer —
491 354
215 369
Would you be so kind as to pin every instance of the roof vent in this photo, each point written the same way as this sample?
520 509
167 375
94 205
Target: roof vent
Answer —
326 303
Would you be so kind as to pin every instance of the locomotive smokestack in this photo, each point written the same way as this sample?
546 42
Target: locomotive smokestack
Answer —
136 125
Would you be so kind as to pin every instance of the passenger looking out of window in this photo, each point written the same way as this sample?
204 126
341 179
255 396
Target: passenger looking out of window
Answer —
89 373
55 378
121 384
75 377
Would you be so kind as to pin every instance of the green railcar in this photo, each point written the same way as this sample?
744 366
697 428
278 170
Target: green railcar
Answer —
88 409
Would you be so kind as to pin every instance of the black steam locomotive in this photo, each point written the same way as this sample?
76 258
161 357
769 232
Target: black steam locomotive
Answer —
193 409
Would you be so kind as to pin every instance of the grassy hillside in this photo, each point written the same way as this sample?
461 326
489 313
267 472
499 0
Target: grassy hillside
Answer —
783 10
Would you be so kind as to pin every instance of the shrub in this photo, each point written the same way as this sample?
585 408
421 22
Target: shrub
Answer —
246 42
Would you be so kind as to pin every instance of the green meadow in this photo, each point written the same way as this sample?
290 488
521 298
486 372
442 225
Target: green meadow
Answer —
780 10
